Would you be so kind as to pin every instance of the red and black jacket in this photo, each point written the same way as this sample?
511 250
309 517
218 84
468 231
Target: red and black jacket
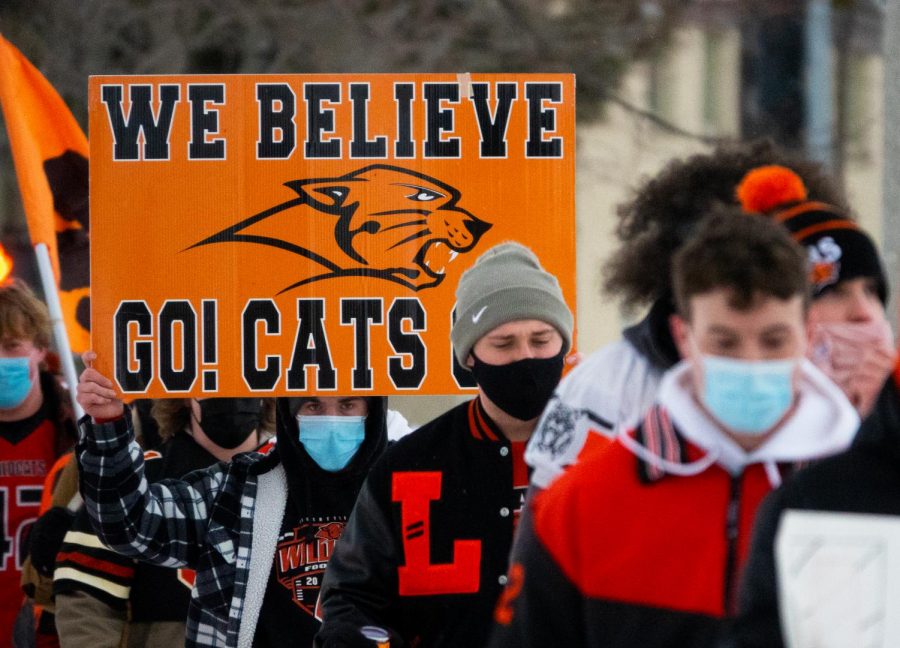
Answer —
618 553
425 552
151 593
864 479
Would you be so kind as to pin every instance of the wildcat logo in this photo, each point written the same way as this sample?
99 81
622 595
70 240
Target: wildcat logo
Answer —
301 558
380 221
557 430
824 262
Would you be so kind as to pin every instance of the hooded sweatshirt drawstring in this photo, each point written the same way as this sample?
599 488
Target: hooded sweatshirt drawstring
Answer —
688 469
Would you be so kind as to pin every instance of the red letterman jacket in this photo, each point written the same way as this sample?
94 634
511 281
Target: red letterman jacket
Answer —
425 552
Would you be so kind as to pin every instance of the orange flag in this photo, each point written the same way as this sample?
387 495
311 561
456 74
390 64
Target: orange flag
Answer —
50 152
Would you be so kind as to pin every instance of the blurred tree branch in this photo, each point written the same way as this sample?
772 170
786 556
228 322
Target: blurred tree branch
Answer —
595 39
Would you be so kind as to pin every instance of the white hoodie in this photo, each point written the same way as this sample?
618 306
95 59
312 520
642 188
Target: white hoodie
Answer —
609 390
822 424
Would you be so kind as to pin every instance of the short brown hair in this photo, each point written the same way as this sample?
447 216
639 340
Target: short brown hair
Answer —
22 315
750 255
173 415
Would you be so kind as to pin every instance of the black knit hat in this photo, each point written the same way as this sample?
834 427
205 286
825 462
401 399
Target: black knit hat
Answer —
838 248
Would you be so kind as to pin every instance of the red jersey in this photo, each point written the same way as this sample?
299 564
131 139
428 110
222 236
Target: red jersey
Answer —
23 466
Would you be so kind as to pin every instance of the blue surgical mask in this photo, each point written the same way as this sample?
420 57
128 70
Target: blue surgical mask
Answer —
332 441
15 382
749 397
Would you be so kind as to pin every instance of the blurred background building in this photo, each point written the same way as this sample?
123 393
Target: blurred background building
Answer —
729 71
656 79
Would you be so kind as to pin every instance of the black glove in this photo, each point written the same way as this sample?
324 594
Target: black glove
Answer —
47 537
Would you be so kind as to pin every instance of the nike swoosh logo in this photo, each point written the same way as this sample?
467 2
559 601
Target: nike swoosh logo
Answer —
477 316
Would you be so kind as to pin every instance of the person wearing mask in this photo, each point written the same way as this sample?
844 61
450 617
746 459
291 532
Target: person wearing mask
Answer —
289 505
424 555
36 427
852 342
103 598
850 339
642 544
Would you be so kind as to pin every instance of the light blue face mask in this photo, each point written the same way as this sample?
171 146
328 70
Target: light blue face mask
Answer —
15 382
332 441
746 396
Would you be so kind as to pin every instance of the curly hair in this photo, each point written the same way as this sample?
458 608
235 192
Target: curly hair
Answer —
173 415
666 208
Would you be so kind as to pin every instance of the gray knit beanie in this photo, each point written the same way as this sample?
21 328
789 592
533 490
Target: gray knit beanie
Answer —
506 283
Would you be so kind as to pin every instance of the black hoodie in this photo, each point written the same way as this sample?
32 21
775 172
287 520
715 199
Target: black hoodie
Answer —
652 336
314 491
864 479
318 506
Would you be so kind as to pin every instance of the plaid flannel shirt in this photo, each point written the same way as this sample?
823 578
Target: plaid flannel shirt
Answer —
203 521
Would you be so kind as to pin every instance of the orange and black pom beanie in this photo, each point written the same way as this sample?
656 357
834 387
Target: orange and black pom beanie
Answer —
838 249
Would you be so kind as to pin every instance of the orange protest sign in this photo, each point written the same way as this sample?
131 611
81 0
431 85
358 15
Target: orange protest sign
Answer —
298 234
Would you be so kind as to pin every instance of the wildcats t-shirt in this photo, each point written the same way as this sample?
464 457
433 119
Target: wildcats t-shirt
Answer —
27 452
288 612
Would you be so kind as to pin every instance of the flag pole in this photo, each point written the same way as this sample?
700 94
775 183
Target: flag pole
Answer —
48 281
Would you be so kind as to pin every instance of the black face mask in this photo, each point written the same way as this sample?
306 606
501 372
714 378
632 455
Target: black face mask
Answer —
229 421
521 388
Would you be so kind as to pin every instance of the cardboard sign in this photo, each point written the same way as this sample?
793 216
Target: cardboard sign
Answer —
289 235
